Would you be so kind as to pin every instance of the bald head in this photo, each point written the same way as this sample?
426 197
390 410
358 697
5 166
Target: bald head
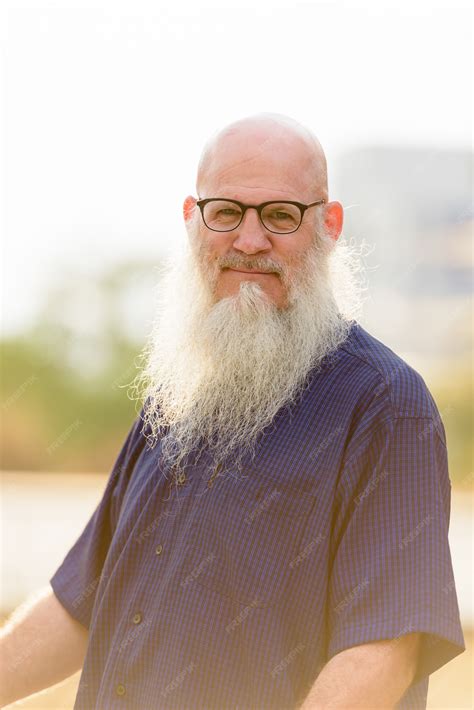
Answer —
268 151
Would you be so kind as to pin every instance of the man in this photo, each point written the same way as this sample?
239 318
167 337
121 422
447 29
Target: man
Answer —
274 531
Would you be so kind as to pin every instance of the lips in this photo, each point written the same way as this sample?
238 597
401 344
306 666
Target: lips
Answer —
249 271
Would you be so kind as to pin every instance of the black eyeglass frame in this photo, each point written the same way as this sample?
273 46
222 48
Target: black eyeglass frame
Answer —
302 207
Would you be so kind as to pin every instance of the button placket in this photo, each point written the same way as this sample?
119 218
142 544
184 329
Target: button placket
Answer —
136 619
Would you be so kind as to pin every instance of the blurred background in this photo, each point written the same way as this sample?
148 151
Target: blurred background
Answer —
105 108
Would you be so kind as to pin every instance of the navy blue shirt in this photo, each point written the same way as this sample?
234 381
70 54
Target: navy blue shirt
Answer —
217 588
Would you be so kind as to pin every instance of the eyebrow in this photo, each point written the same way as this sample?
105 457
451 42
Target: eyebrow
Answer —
245 201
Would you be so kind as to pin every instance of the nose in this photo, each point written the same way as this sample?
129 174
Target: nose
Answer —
251 235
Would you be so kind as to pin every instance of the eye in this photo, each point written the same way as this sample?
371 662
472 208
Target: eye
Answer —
227 212
281 217
278 214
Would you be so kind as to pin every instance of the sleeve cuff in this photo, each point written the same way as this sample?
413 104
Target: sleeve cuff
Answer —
441 641
72 602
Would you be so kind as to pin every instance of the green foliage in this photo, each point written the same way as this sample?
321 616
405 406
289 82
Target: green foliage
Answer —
54 420
452 390
64 383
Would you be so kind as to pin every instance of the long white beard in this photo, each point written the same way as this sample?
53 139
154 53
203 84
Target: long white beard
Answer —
216 373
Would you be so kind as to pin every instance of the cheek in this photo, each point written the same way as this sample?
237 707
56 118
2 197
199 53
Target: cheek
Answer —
214 246
207 254
291 256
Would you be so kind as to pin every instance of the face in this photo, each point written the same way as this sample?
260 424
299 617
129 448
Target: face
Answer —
252 170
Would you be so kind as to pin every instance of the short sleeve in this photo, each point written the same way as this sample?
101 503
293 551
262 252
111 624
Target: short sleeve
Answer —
391 571
76 580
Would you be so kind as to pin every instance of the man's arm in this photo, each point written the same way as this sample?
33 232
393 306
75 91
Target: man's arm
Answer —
40 645
372 676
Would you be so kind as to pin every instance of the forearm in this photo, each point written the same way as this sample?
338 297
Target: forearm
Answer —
369 676
40 645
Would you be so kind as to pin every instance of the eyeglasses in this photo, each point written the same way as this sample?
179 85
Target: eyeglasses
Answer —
278 217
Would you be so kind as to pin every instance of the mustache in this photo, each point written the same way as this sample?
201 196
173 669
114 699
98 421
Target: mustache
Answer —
235 261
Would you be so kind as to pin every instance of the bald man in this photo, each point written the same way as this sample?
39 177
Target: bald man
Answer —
274 532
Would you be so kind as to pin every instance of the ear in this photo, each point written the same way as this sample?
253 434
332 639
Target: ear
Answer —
333 219
188 207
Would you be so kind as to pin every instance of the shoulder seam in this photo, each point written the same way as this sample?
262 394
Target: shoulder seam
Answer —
400 366
391 419
355 354
383 380
369 435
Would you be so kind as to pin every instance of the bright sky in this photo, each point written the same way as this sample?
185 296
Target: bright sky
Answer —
106 105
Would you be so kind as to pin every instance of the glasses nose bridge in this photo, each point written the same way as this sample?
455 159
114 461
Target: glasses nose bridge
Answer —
257 208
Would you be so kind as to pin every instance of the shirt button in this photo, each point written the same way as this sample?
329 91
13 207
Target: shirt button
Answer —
120 689
159 549
137 618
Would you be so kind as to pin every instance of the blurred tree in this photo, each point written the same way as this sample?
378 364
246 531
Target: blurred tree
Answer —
64 383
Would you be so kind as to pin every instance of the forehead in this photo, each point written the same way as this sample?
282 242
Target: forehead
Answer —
259 166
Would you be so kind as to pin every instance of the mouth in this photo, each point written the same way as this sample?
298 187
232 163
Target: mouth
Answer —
248 271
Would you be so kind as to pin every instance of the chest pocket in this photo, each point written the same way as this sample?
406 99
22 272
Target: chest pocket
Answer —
245 533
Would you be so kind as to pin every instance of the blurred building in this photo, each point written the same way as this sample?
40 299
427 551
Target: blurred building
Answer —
414 207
